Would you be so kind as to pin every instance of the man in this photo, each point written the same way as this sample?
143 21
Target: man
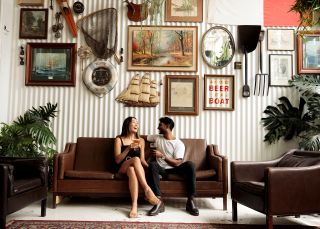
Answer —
168 156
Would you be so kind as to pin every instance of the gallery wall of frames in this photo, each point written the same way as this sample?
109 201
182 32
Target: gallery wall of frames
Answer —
170 64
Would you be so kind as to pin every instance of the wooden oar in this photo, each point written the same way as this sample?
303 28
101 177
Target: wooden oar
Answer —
67 13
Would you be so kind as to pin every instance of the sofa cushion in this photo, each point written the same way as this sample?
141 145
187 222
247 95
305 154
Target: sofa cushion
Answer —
196 152
23 185
296 160
200 175
96 175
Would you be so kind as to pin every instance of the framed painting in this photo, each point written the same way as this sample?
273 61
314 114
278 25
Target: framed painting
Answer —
50 64
163 48
33 23
30 2
308 52
281 39
219 92
181 95
184 10
280 69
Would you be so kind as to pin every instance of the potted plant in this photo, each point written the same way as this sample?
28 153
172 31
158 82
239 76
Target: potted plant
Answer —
30 136
308 11
303 122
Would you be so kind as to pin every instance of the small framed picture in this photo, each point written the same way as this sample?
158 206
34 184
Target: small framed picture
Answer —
50 64
181 95
281 69
308 52
281 39
33 23
184 10
30 2
219 92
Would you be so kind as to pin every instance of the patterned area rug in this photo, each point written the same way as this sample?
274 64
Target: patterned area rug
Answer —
51 224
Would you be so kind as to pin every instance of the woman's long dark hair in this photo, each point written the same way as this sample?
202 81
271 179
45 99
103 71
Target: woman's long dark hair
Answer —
125 127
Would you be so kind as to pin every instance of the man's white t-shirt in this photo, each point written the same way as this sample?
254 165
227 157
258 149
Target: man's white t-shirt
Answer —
171 148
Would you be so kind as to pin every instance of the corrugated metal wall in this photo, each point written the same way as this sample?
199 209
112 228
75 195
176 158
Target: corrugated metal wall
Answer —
238 133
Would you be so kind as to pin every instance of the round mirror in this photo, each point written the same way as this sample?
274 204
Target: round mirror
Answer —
217 47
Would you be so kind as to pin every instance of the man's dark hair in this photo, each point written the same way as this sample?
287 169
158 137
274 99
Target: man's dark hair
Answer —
167 121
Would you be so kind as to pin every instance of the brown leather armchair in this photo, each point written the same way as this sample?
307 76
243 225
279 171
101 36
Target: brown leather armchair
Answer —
289 185
22 182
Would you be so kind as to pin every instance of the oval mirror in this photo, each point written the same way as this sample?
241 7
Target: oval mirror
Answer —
217 47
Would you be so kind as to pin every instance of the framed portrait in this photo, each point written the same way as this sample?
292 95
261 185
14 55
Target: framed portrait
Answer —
280 39
163 48
219 92
184 10
33 23
50 64
30 2
181 95
308 52
280 69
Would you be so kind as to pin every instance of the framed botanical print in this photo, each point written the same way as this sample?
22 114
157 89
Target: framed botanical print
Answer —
308 52
281 39
184 10
50 64
33 23
281 70
219 92
181 95
163 48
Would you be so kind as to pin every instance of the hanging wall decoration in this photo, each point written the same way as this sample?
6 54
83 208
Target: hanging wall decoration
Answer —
141 92
137 12
100 33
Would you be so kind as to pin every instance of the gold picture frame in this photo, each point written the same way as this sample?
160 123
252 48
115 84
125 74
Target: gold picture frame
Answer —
30 2
184 11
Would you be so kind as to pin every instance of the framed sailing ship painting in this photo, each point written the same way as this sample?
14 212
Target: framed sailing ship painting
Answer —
184 10
163 48
181 95
50 64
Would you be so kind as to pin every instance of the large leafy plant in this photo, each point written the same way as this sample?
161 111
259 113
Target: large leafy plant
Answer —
30 134
306 9
303 122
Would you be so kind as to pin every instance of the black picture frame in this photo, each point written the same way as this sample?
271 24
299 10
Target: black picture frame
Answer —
33 23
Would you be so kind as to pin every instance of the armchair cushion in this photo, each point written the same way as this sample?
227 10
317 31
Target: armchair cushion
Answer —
296 160
253 187
22 185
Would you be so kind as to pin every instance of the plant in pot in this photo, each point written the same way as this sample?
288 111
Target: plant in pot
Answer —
303 122
308 11
30 136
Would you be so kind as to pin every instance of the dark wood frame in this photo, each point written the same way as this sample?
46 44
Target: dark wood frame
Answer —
33 35
232 92
193 68
280 49
169 110
70 63
170 18
270 70
300 52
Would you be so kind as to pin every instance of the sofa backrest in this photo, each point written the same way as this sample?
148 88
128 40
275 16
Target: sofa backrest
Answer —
195 151
94 154
300 159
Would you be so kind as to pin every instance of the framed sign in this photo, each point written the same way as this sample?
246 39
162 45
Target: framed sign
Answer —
50 64
184 10
281 70
181 95
163 48
33 23
281 39
219 92
308 52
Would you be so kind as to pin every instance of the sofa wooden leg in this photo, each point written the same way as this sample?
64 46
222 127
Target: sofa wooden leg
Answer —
269 222
54 200
234 211
225 202
43 207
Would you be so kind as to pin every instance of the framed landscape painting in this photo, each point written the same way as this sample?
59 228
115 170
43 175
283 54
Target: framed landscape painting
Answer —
33 23
184 10
163 48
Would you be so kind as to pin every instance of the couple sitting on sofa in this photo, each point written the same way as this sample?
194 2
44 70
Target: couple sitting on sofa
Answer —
168 155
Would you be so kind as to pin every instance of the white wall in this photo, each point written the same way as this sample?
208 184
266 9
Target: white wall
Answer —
239 133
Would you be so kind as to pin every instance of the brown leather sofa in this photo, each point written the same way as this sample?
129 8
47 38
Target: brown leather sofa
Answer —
86 168
289 185
22 182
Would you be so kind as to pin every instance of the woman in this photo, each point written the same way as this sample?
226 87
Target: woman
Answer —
129 156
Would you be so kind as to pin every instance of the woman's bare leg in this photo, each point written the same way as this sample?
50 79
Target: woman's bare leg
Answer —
134 188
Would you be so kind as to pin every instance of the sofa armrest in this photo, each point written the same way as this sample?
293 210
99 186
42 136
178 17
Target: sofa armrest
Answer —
298 189
250 171
66 159
218 162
